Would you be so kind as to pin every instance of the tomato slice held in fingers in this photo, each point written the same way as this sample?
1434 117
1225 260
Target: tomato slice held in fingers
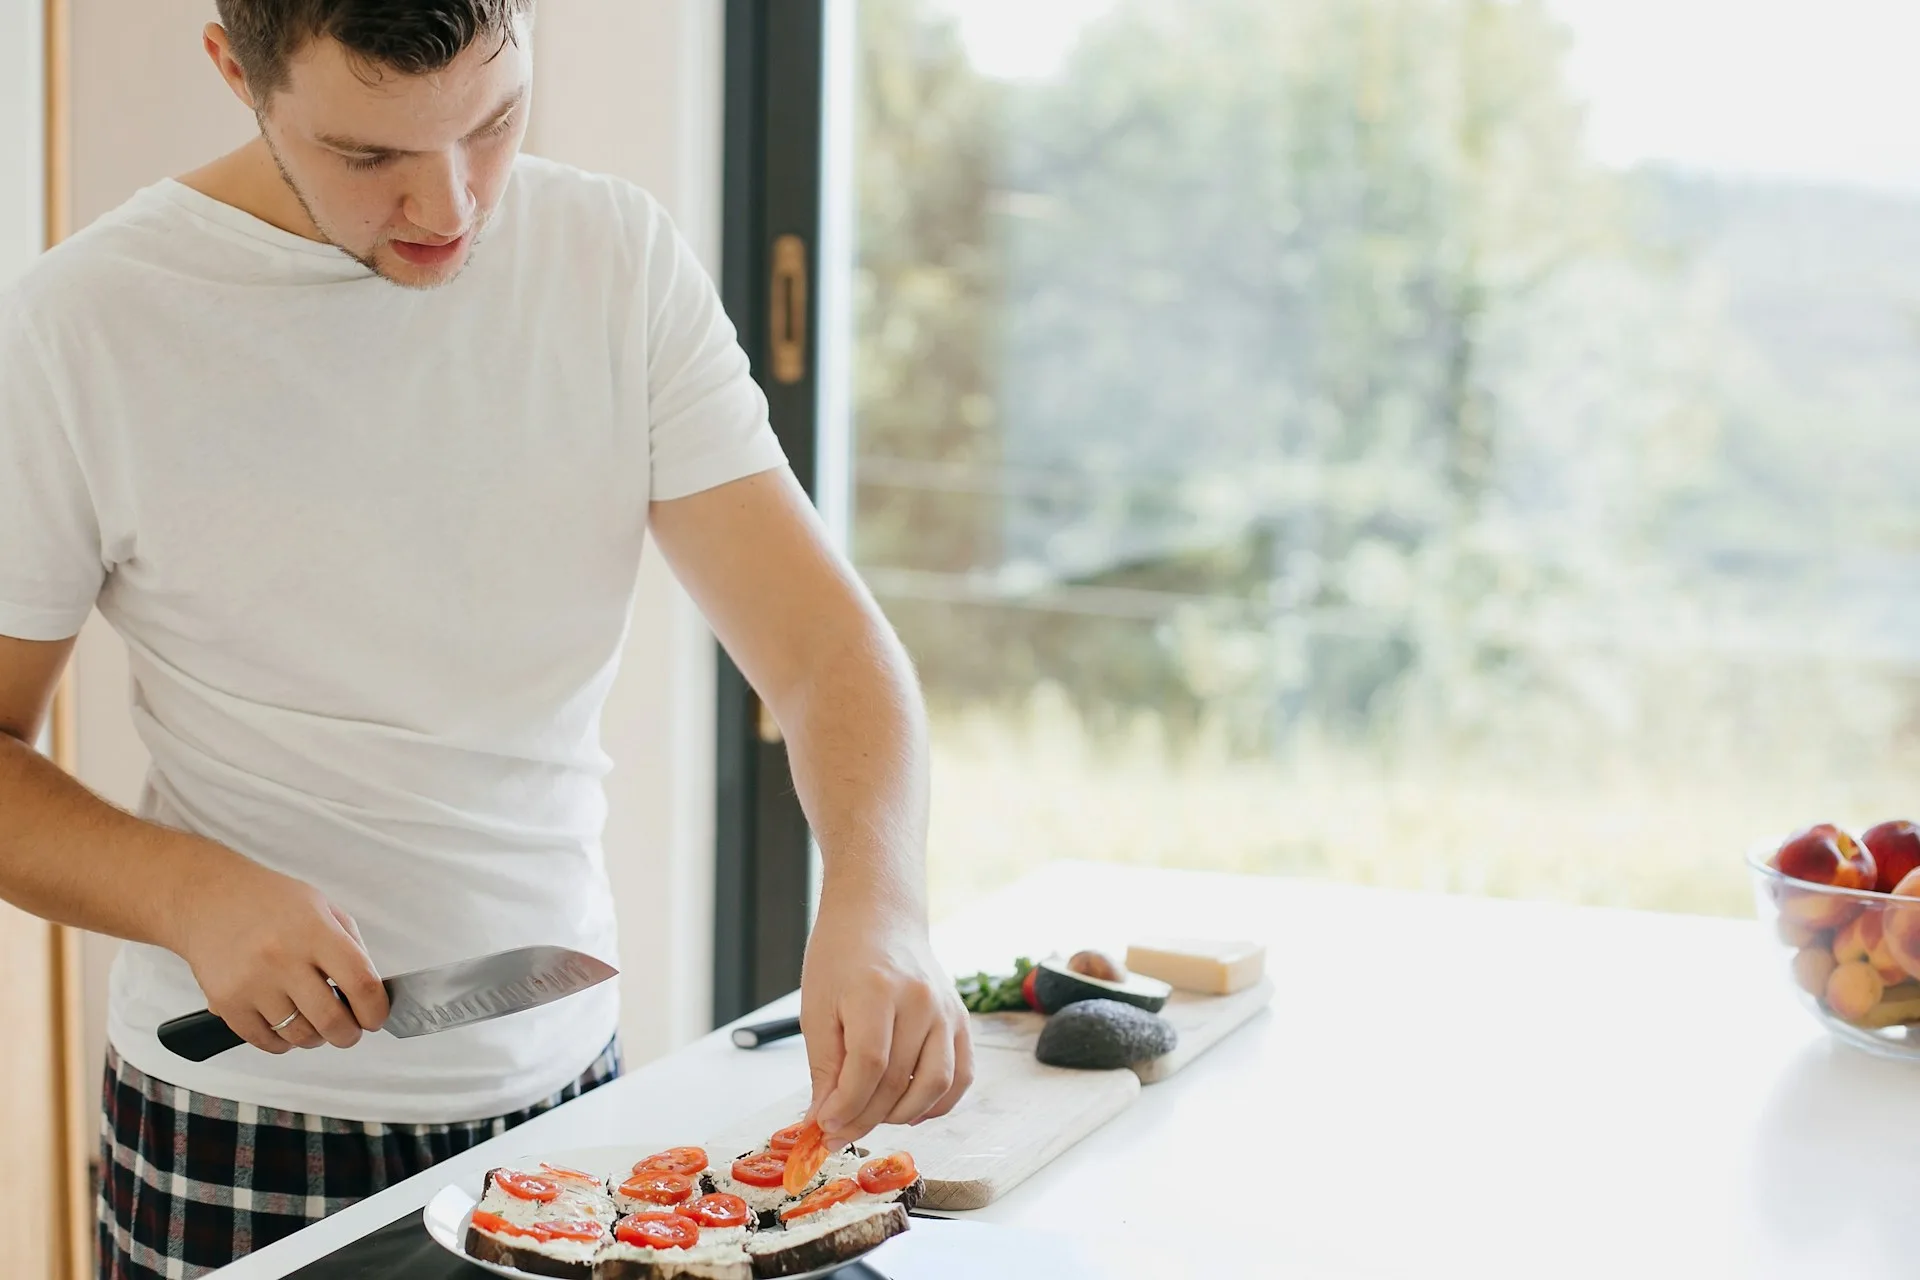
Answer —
570 1229
888 1173
527 1186
808 1154
717 1210
784 1140
658 1188
657 1231
761 1169
825 1198
687 1160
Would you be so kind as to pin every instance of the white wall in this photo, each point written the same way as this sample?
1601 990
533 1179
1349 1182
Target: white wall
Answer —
146 104
627 87
634 89
22 135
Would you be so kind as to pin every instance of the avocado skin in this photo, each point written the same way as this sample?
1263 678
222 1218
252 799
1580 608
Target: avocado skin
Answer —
1056 988
1103 1034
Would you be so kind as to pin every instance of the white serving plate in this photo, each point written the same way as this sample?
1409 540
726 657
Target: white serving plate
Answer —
448 1213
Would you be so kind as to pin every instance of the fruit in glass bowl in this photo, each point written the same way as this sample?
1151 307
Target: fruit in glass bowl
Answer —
1850 950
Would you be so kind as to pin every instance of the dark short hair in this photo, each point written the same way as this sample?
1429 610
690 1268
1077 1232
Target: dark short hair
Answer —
409 36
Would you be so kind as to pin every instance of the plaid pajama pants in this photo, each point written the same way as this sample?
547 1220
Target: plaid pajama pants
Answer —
189 1183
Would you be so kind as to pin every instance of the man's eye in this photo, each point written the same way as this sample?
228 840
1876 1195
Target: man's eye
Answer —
365 162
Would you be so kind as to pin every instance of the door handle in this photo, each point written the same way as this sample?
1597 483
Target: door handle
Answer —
765 724
788 300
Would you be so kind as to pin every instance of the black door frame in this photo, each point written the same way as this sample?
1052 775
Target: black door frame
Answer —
771 166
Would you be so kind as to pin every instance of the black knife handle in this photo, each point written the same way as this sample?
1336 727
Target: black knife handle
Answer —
199 1036
753 1037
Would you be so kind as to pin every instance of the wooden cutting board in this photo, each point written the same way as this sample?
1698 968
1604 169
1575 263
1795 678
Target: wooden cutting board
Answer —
1200 1021
1018 1115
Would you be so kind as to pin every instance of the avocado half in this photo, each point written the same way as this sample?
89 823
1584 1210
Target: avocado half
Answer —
1104 1034
1057 986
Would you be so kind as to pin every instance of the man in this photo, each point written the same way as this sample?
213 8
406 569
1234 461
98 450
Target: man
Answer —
355 435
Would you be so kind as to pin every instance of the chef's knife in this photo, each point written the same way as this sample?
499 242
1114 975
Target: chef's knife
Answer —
437 999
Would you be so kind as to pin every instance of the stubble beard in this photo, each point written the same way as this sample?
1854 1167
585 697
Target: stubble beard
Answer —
368 261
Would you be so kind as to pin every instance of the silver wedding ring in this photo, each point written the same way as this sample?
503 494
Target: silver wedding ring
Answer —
287 1021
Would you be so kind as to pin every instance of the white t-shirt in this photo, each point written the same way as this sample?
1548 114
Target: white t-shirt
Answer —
373 552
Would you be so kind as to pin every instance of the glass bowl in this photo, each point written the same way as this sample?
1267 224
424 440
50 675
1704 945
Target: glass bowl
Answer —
1851 956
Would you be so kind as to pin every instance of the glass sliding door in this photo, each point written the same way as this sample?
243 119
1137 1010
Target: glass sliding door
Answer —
1455 444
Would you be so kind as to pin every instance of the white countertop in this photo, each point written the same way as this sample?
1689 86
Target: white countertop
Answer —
1442 1086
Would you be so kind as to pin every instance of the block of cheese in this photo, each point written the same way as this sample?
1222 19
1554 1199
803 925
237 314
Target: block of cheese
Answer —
1211 967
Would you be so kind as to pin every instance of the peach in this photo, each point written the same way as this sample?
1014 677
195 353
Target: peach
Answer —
1821 855
1811 968
1895 847
1824 854
1864 938
1853 989
1797 934
1814 911
1901 926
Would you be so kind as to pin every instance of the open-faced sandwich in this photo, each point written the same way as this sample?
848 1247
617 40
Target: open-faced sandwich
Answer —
786 1209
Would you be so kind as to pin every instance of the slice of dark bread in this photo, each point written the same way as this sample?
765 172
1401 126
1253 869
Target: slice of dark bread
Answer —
524 1255
838 1237
731 1264
909 1196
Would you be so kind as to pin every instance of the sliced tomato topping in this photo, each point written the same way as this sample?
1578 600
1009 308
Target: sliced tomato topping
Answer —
808 1154
687 1160
570 1229
526 1186
658 1188
560 1173
888 1173
784 1140
657 1231
717 1210
541 1231
761 1169
825 1198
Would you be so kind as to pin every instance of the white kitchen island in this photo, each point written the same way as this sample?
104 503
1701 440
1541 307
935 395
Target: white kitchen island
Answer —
1442 1086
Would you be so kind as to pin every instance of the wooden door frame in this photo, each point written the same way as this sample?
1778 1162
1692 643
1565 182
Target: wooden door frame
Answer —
66 965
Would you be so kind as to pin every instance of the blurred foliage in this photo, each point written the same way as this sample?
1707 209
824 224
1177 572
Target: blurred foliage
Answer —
1288 371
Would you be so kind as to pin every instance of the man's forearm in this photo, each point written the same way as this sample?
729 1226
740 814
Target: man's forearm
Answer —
858 742
68 856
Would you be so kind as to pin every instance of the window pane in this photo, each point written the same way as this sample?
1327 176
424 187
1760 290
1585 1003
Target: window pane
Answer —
1441 443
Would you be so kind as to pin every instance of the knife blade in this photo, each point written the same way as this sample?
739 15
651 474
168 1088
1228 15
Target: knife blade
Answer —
426 1001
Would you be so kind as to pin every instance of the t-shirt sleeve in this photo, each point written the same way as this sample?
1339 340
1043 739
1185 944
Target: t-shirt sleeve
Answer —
51 566
707 417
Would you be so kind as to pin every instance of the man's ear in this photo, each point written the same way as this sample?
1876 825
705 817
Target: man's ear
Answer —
219 47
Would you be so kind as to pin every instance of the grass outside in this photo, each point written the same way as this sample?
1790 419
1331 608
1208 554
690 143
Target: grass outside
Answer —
1014 789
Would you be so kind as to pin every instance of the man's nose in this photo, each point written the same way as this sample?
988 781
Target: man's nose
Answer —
440 202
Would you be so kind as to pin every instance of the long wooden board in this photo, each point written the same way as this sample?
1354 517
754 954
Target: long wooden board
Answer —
1019 1115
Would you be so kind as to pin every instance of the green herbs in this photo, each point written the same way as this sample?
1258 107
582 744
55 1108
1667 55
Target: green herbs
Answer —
985 993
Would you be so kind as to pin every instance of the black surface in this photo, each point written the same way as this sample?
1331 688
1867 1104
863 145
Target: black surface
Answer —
403 1249
771 176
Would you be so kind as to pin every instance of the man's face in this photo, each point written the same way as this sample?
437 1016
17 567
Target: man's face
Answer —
400 171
